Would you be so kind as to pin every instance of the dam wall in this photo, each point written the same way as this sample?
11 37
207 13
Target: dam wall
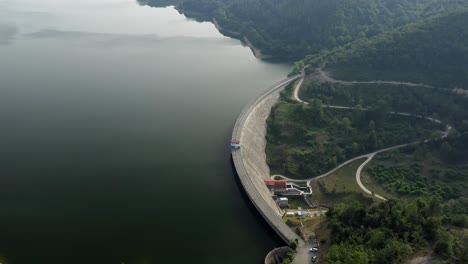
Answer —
250 160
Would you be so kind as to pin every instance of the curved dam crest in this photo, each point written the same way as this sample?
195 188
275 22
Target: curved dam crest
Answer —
250 160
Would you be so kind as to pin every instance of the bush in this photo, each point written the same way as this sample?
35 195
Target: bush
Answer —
293 244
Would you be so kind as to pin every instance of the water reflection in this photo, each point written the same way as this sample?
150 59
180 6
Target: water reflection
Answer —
94 139
112 40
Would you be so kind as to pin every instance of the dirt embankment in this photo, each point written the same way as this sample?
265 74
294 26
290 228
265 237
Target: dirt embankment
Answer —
421 260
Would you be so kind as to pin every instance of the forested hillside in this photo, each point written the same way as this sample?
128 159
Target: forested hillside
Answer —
433 51
393 231
295 28
305 141
429 180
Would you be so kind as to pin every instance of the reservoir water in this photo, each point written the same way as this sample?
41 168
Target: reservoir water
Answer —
114 127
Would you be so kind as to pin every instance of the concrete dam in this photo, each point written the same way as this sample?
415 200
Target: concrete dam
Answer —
250 159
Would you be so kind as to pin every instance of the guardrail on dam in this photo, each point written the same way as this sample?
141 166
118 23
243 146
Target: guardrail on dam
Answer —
250 159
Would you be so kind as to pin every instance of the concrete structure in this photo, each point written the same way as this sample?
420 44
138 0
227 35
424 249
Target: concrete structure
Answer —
250 160
293 189
276 186
276 256
290 214
283 202
284 188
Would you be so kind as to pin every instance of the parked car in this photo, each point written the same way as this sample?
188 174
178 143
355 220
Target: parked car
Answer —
314 258
314 249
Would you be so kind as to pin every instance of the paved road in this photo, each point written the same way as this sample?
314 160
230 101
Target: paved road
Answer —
257 199
305 256
326 173
297 87
259 202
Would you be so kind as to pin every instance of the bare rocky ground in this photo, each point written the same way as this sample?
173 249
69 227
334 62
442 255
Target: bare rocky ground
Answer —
421 260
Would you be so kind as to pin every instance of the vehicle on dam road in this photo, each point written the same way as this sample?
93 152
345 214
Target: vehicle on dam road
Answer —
235 144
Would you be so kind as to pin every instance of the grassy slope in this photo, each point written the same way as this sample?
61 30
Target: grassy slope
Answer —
340 187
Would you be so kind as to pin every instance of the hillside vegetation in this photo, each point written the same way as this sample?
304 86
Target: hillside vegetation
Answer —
305 141
392 231
429 179
295 28
433 52
438 103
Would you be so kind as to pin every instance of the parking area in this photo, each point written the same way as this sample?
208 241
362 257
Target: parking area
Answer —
314 249
308 254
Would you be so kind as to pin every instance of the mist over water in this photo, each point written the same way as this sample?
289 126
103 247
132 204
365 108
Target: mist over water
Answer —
114 125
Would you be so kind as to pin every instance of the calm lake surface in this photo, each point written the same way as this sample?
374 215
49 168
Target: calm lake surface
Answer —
114 127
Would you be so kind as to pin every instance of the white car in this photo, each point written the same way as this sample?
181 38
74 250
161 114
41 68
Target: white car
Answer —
314 249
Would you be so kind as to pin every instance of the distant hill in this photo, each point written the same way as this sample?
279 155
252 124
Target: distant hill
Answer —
295 28
432 51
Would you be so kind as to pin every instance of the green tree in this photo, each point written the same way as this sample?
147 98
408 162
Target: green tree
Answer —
372 136
293 244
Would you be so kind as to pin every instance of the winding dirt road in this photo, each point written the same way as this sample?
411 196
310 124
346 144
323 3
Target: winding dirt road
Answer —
325 76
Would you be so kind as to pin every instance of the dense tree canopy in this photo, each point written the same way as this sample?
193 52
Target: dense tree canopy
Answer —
422 41
433 52
445 105
391 231
308 140
294 28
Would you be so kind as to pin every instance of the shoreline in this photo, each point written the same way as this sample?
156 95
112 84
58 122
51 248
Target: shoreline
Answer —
257 52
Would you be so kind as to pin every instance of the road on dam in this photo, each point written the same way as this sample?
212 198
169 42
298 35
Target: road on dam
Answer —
250 160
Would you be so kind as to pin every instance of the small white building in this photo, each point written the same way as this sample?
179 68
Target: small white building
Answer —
283 202
290 213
